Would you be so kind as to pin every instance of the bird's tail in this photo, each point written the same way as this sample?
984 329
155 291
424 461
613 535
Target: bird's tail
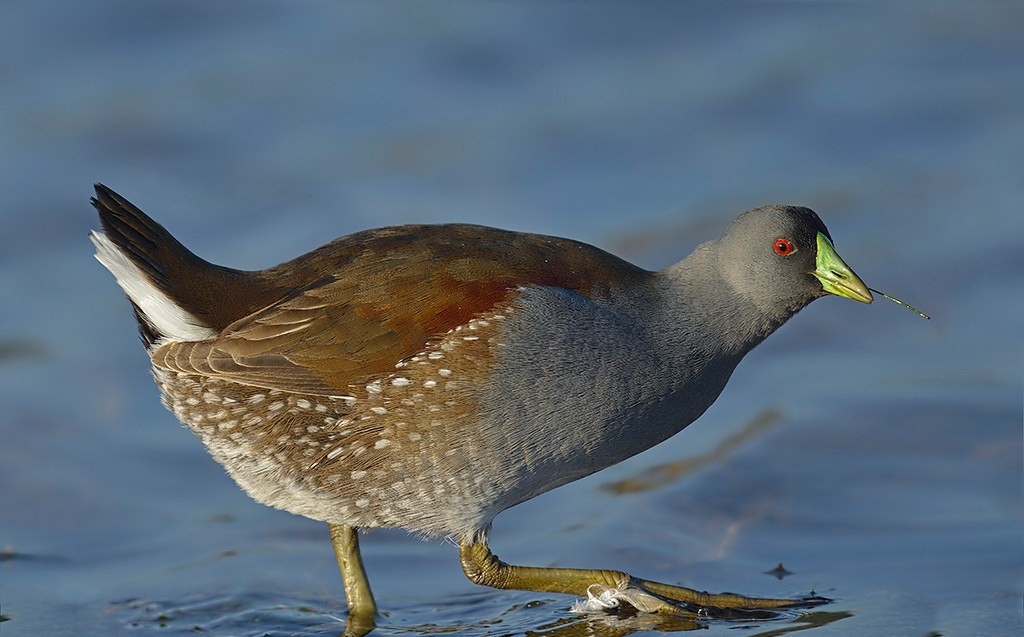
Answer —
165 282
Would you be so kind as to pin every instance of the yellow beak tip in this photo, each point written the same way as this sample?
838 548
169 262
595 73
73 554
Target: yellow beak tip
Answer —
836 277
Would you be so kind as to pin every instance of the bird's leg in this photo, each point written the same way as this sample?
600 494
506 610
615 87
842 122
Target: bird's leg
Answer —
483 567
361 607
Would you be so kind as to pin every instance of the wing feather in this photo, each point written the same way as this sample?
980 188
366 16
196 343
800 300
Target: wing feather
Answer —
384 297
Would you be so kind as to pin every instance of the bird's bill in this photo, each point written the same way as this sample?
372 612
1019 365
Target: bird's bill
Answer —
836 277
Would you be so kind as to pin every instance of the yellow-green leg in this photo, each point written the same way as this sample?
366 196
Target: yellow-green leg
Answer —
483 567
361 607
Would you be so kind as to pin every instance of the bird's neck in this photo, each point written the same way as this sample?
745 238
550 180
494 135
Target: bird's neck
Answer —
697 307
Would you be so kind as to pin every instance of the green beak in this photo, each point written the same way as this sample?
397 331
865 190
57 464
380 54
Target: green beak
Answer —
836 277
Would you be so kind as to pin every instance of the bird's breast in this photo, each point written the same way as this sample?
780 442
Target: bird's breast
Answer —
577 385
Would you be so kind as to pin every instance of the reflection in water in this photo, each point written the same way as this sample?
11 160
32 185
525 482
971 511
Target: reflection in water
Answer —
627 621
779 572
667 473
244 614
615 625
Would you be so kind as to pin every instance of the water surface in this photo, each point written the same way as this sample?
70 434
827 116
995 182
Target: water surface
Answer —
874 455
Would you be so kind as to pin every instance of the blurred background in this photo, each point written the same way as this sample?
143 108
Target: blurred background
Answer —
876 456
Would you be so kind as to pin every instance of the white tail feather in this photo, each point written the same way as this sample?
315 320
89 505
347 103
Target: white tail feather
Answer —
168 318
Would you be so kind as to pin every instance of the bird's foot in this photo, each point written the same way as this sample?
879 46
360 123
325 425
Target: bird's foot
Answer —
655 597
607 589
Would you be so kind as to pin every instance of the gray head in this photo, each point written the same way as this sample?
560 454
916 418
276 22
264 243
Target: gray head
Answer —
780 258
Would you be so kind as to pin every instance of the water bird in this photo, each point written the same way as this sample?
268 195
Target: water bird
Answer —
428 377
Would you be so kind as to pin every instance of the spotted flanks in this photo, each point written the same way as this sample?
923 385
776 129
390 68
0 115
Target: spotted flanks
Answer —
370 456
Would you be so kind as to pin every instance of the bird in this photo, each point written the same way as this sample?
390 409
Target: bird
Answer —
428 377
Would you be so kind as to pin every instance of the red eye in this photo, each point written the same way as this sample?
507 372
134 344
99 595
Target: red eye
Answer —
784 247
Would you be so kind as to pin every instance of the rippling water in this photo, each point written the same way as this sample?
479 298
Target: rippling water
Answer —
877 457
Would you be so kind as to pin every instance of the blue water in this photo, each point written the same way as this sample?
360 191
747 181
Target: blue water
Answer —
877 456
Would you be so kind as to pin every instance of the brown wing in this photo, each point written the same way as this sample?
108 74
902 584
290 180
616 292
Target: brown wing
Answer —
363 303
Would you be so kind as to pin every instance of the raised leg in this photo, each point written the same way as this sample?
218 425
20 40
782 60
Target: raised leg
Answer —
361 607
483 567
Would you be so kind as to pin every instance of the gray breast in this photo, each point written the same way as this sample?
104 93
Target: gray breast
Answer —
582 384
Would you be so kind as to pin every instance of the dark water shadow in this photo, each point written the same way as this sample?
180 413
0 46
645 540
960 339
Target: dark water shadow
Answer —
664 474
8 554
16 350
